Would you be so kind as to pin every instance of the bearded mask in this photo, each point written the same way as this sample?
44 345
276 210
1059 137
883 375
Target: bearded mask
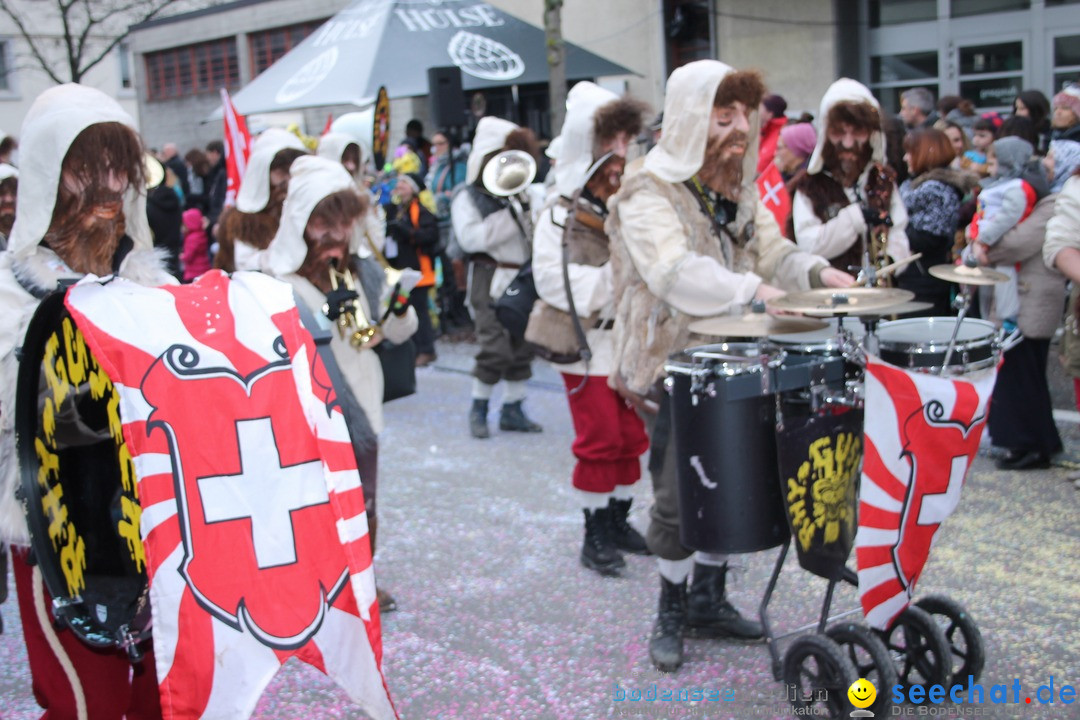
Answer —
846 164
88 215
8 193
724 174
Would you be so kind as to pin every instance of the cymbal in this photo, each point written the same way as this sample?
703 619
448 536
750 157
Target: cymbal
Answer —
968 275
753 325
824 302
909 307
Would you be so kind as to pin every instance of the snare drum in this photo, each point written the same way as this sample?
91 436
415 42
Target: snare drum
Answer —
723 412
921 344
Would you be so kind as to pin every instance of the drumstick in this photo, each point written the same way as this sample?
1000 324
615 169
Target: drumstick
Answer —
899 263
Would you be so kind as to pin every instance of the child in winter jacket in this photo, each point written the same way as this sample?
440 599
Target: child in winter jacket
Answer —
1006 199
196 254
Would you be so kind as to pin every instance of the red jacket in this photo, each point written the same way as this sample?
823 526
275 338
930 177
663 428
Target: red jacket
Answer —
769 135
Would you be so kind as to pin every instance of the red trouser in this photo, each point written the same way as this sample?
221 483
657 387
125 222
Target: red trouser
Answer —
67 673
610 436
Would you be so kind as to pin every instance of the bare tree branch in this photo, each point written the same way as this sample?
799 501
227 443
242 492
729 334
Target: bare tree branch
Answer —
5 7
86 31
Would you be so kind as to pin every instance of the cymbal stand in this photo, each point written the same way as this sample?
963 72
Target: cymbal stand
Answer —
962 303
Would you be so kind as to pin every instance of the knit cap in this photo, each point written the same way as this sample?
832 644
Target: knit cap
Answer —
800 138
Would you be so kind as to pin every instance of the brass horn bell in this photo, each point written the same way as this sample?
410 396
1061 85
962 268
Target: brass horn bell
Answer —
350 317
509 173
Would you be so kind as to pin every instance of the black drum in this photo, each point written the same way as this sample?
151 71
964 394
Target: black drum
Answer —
78 485
723 411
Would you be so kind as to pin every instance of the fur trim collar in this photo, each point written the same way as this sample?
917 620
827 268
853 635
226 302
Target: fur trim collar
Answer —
962 180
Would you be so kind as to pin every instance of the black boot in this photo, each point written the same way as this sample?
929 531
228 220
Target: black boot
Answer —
665 645
709 614
513 419
626 537
598 552
478 419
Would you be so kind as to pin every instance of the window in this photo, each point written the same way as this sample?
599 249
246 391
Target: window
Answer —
192 70
890 75
688 31
268 46
892 12
123 53
964 8
991 76
6 66
1066 61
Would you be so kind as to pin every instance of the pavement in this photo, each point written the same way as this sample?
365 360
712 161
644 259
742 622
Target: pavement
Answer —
497 619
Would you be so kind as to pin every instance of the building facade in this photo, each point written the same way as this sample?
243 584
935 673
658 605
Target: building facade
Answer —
984 50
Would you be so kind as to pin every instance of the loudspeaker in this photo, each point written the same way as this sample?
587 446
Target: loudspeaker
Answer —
446 97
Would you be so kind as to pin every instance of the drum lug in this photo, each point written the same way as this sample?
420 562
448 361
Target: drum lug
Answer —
129 642
59 603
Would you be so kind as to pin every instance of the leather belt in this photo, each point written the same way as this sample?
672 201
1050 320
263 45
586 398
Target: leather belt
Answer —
488 260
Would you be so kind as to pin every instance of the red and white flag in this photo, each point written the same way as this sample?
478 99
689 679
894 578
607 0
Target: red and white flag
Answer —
774 195
237 147
921 435
253 514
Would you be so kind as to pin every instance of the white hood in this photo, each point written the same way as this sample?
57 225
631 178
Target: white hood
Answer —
312 179
6 170
254 191
575 146
844 90
491 133
51 125
332 146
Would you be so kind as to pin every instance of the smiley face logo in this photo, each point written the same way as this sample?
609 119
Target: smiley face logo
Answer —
862 693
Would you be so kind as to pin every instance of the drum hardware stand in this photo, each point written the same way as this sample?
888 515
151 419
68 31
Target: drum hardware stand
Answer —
847 575
962 303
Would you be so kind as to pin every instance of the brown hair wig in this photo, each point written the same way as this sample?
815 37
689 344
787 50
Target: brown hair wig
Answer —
523 139
101 149
99 153
284 159
625 115
745 86
928 149
343 205
857 114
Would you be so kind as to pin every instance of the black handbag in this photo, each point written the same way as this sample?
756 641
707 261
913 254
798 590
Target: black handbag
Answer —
398 368
515 304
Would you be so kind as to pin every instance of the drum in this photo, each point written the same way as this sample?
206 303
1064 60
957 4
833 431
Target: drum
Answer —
78 485
921 344
825 341
723 412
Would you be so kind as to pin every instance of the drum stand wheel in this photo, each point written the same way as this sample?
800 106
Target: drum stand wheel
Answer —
963 636
871 660
817 674
922 653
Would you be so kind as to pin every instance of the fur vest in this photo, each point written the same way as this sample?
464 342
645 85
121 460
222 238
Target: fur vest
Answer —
648 330
586 244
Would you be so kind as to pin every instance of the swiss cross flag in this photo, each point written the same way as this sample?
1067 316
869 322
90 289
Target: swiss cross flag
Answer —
237 147
774 195
921 435
253 514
